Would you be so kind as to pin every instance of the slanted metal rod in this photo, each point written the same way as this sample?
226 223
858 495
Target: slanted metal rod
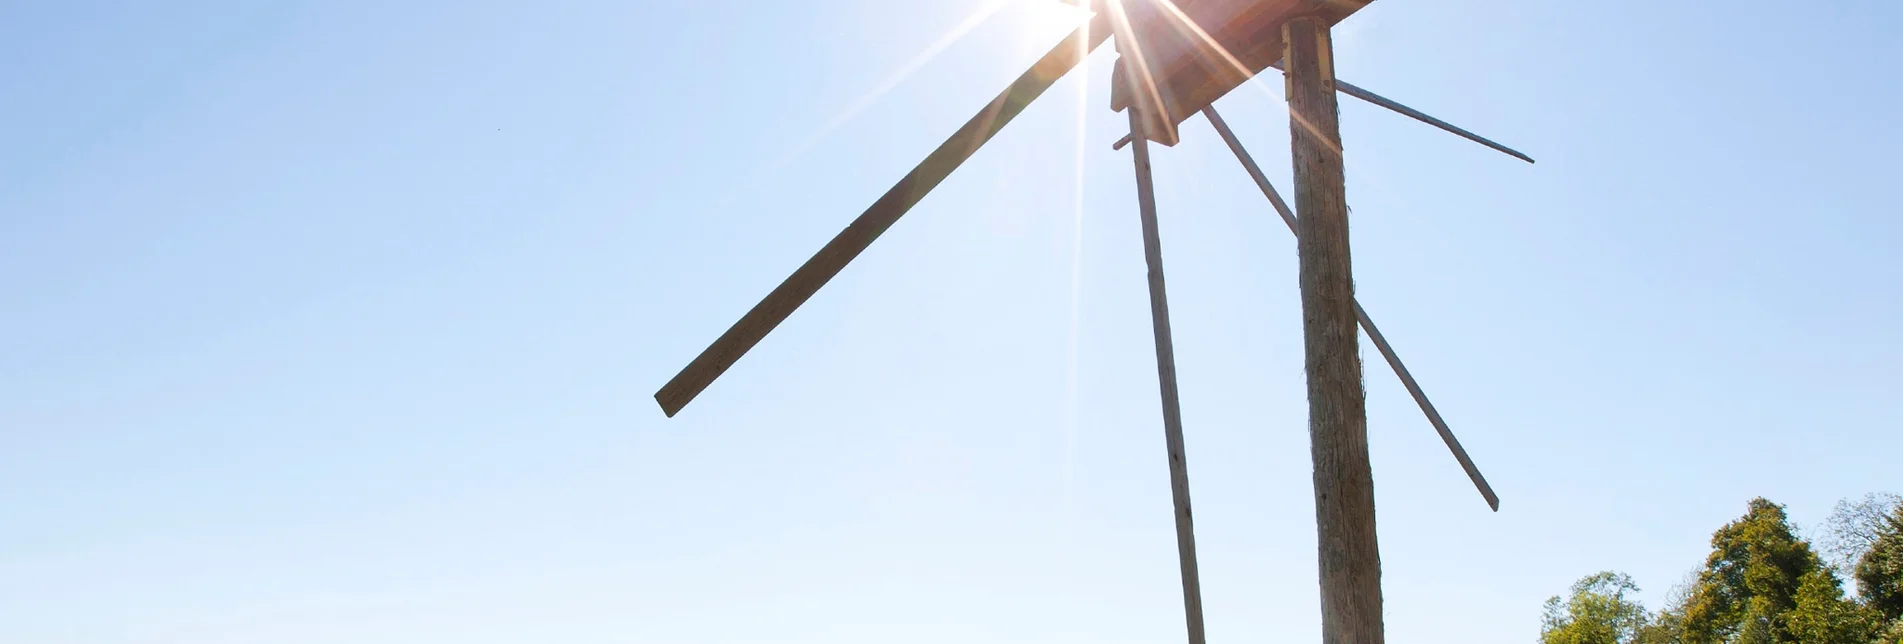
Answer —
1374 333
1351 89
1166 378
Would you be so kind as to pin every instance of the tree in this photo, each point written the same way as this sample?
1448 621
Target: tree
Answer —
1599 611
1668 626
1823 616
1854 527
1893 634
1763 584
1864 540
1879 569
1750 578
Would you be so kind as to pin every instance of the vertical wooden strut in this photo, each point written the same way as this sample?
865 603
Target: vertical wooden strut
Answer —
1166 378
1349 557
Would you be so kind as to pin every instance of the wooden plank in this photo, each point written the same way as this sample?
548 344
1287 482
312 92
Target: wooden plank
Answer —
1348 555
852 241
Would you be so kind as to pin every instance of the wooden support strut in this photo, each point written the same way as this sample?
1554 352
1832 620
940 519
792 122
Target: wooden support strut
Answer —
1367 324
1166 380
1350 89
881 215
1348 555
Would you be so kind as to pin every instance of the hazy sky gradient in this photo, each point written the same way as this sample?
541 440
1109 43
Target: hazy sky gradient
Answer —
339 321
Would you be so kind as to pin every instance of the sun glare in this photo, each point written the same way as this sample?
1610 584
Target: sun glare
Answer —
978 17
1049 17
1072 393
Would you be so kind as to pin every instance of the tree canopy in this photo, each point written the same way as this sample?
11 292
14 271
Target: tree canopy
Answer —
1879 569
1762 583
1599 611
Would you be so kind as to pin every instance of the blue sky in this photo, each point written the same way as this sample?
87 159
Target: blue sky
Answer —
339 322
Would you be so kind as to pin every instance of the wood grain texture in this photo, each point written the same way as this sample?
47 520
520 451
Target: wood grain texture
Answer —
1348 554
852 241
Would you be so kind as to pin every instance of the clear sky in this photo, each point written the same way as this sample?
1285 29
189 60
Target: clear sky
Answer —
339 321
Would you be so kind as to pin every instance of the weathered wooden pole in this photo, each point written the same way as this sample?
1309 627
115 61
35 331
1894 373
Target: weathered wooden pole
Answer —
1349 557
1166 381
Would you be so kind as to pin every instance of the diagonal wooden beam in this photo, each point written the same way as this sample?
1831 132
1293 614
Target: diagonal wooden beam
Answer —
1351 89
1361 315
852 241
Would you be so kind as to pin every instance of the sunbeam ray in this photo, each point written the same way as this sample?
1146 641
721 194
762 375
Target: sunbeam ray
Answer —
951 37
1072 390
1146 82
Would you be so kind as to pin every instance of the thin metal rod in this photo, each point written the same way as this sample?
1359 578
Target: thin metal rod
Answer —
1166 378
1367 324
1351 89
833 257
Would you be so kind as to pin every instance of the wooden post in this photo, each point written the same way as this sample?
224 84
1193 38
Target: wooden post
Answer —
1166 381
1349 557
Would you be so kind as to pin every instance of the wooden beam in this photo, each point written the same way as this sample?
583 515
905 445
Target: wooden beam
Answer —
1367 324
1348 555
1166 381
852 241
1199 50
1350 89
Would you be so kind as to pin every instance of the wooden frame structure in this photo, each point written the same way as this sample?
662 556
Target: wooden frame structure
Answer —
1195 51
1176 58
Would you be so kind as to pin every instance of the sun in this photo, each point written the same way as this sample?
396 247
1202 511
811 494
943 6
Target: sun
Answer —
1039 23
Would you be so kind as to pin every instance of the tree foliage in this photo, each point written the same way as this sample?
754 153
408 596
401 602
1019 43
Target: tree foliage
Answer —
1762 584
1750 579
1855 527
1599 611
1823 616
1879 569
